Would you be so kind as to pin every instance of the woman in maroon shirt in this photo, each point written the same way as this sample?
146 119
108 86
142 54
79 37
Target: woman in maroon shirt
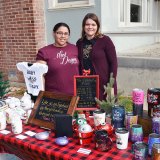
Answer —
62 60
97 52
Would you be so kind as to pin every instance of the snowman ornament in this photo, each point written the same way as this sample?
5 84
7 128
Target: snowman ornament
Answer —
85 133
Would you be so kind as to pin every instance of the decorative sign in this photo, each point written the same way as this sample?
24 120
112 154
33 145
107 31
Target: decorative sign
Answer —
87 88
48 104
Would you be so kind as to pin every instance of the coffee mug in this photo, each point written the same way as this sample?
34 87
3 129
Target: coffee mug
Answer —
122 135
140 150
136 133
99 117
156 151
153 138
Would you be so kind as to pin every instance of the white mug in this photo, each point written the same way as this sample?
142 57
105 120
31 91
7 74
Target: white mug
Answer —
99 116
122 135
16 124
2 120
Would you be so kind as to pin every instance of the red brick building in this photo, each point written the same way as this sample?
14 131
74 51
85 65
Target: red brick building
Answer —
22 34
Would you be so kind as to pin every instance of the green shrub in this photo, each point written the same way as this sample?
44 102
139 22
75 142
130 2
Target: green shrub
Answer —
4 86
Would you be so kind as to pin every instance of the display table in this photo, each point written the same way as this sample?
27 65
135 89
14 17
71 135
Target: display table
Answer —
32 149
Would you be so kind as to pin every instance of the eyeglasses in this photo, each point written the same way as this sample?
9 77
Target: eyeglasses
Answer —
61 33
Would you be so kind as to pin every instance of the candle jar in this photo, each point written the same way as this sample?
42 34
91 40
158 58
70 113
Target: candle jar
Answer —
2 120
102 141
16 124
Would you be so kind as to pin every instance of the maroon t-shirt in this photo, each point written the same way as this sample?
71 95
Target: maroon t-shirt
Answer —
63 64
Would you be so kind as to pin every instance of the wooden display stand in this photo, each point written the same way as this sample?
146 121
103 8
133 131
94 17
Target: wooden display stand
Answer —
48 104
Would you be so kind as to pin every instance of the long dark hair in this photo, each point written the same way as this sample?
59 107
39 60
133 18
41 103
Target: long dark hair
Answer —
61 24
95 19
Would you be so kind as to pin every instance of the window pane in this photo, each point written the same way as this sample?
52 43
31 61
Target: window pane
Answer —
62 1
136 11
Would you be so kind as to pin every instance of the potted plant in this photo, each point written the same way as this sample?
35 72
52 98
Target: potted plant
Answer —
112 99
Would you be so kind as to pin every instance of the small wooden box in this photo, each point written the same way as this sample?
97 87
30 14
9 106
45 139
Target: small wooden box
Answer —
146 123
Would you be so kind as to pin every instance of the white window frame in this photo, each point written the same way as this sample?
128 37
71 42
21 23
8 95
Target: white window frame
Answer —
54 4
146 10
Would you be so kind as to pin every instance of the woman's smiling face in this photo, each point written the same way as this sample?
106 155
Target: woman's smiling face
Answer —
61 36
90 28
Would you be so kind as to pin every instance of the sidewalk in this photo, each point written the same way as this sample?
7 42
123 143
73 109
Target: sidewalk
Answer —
4 156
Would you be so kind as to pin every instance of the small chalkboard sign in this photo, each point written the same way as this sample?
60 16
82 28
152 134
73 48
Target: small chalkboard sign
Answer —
87 88
48 104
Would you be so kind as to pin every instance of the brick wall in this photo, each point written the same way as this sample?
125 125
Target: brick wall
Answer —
22 34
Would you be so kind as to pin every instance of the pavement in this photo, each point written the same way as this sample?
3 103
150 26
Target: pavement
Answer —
150 51
4 156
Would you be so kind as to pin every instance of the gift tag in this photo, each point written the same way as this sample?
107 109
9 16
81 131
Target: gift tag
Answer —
84 151
5 132
21 136
30 133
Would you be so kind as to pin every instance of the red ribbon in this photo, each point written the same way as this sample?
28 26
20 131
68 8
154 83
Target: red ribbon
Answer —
86 72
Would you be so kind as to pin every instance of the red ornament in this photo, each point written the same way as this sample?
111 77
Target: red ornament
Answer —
105 126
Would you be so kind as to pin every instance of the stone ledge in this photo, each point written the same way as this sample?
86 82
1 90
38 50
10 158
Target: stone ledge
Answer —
139 62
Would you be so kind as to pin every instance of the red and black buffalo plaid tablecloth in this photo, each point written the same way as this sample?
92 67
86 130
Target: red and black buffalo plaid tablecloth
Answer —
33 149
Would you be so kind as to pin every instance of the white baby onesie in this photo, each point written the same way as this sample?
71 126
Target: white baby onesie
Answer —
33 76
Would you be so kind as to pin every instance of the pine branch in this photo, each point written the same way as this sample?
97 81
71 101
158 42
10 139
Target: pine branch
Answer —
110 99
4 86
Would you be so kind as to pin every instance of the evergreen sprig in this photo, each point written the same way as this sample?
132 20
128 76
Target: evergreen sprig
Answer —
111 98
4 86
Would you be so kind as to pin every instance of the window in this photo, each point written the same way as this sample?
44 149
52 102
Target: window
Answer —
57 4
134 12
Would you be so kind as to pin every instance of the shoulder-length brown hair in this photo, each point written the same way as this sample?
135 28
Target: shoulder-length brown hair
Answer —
95 19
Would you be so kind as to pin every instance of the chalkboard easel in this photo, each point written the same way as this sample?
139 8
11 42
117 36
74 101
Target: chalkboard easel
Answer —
87 88
48 104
